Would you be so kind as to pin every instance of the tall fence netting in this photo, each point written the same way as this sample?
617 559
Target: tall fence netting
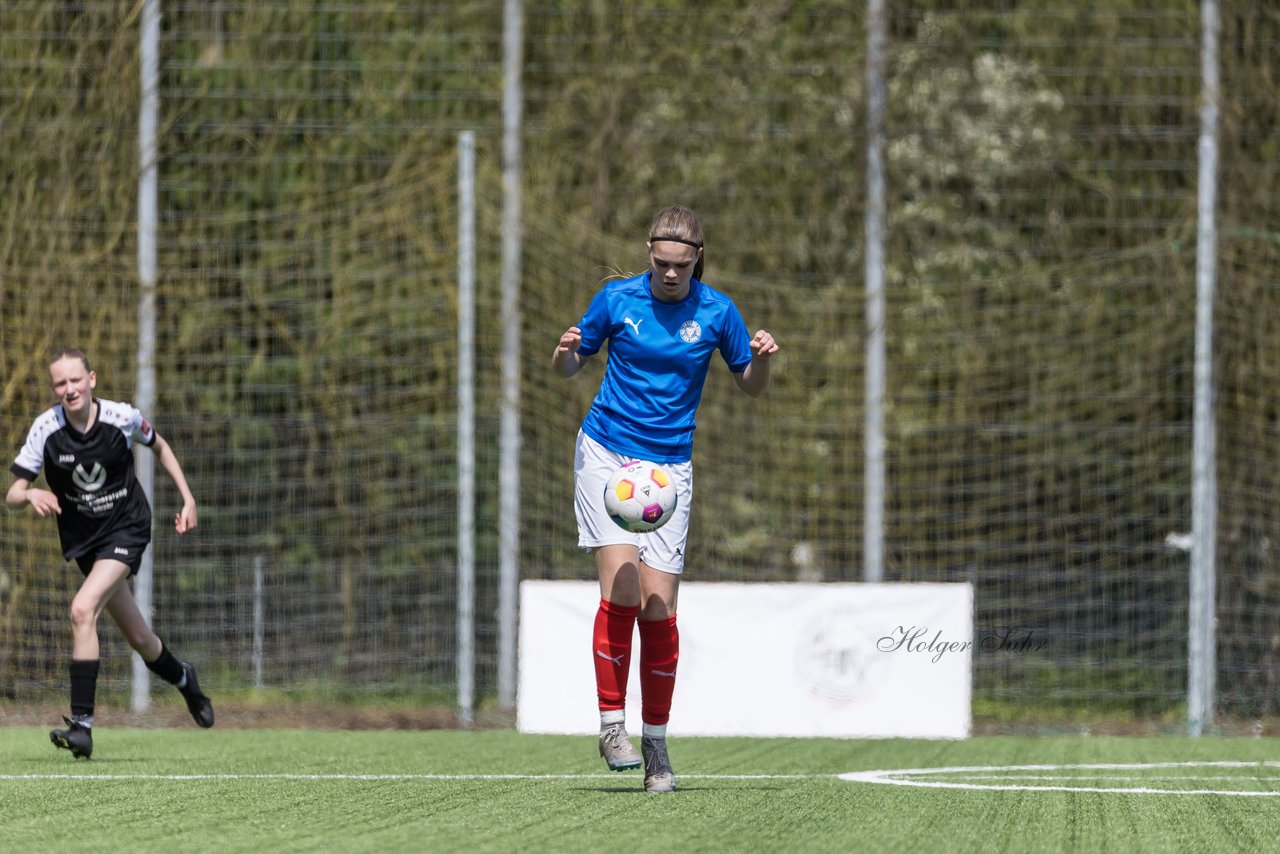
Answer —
1042 180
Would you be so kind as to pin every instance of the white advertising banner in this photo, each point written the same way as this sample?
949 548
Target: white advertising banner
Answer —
836 660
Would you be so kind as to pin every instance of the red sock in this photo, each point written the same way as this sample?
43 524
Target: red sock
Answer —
659 652
611 649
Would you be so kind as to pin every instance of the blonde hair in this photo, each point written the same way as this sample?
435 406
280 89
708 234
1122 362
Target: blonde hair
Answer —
681 225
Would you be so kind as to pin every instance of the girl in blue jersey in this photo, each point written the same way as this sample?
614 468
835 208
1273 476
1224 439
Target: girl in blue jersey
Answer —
662 329
83 445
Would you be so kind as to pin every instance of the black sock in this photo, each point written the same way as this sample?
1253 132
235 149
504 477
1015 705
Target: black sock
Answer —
84 686
166 666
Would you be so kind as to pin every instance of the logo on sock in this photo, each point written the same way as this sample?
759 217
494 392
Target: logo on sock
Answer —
617 661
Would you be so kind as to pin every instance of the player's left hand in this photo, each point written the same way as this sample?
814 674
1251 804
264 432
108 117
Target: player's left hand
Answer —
763 344
185 519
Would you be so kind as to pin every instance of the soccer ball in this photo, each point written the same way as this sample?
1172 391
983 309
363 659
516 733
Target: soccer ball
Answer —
640 496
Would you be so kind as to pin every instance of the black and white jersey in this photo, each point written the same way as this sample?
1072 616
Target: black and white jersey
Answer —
91 473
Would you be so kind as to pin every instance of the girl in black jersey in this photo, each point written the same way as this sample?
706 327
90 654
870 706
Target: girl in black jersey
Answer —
84 447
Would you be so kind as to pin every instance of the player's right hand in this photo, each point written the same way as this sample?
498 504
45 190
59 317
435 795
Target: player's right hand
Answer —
44 502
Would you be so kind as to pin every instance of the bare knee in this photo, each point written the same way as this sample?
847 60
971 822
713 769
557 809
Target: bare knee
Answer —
82 616
619 570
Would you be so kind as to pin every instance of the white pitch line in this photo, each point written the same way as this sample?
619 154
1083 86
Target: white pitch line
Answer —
400 777
909 777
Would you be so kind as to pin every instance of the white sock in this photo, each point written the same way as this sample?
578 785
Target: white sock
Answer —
612 716
655 731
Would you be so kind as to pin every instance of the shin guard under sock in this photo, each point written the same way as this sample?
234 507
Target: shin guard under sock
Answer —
659 652
166 666
84 686
611 651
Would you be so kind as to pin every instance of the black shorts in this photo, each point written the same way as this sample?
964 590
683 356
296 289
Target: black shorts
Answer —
123 548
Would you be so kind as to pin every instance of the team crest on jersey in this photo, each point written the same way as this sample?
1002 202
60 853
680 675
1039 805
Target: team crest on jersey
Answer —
690 331
90 481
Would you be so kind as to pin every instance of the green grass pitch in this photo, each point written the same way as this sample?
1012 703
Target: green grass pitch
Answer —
298 790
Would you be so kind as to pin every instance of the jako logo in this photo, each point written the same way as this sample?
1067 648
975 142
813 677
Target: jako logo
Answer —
90 481
122 551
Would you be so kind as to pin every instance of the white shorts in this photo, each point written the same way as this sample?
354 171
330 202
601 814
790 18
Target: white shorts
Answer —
662 549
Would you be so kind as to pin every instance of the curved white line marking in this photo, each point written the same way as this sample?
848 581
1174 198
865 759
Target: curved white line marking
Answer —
909 777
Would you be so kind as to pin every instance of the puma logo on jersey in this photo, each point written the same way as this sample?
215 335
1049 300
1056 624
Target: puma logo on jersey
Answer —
90 481
634 324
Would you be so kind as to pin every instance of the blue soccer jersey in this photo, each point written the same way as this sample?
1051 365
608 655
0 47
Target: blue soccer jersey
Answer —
658 357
